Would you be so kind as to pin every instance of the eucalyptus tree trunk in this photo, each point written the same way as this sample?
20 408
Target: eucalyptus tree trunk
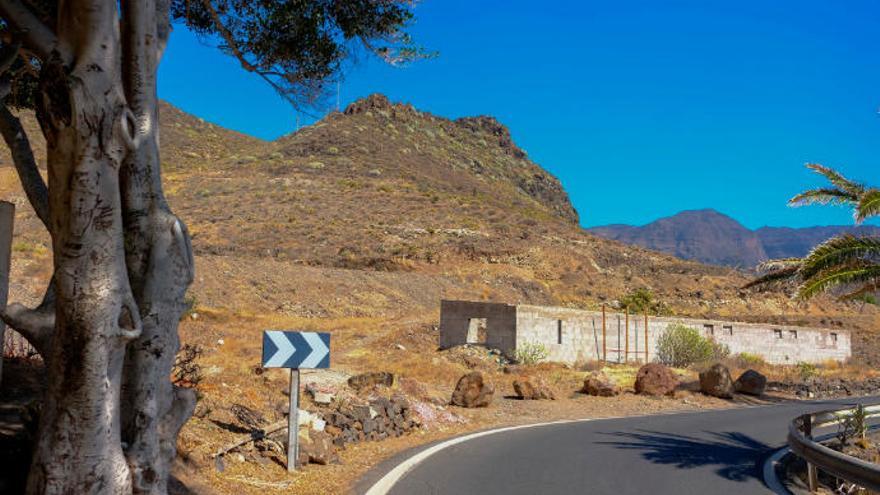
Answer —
84 119
123 261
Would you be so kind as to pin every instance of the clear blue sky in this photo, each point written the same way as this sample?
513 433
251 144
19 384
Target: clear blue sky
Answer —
641 108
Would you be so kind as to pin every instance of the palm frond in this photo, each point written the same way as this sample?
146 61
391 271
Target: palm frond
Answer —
823 196
837 179
868 205
837 251
838 276
774 276
778 264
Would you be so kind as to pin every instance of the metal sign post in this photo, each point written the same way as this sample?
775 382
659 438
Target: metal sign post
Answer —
295 350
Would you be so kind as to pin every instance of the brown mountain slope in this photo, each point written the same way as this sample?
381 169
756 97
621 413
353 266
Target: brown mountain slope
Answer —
381 211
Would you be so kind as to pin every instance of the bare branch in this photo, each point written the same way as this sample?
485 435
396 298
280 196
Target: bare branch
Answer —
23 158
35 34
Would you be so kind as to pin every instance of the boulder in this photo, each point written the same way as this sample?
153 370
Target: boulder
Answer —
374 378
750 382
716 382
317 447
472 391
655 379
532 388
598 384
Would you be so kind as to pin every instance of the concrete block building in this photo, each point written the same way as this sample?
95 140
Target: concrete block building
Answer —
573 335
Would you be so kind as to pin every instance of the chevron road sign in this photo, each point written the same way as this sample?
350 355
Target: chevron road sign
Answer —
295 350
298 350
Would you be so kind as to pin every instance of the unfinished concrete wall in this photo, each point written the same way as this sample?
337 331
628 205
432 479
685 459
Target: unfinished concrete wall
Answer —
457 318
572 335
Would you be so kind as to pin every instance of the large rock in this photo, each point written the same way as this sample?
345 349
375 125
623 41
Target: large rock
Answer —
750 382
532 388
716 382
655 379
472 391
374 378
598 384
316 447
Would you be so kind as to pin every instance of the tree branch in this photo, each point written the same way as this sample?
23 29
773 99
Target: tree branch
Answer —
34 33
23 158
36 325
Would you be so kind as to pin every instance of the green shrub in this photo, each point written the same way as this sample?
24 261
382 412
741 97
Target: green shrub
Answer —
531 353
641 300
806 370
680 345
749 360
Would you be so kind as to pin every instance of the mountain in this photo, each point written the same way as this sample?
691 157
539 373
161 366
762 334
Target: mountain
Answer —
712 237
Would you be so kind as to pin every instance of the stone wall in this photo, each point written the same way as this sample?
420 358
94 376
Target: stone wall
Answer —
456 319
572 335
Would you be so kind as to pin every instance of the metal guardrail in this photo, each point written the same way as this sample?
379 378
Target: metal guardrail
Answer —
818 456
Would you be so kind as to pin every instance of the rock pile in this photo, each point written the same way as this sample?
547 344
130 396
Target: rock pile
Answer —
823 388
379 419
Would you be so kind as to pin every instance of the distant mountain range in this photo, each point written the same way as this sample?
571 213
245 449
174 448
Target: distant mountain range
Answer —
713 237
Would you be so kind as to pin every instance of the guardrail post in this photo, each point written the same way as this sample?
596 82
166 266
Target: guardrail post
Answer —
812 472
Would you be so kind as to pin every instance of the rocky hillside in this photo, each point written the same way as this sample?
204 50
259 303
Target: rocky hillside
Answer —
382 210
712 237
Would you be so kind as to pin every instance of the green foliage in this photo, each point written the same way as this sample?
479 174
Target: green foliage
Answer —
806 370
852 425
680 345
298 46
845 265
749 360
641 299
531 353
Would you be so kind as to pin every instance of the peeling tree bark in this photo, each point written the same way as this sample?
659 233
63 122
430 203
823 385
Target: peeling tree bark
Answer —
160 264
83 113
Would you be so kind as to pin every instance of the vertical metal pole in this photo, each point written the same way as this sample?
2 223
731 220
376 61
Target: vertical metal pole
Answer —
812 473
7 217
646 335
604 347
626 337
293 422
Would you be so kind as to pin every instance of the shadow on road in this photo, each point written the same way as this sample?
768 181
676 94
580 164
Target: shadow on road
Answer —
736 455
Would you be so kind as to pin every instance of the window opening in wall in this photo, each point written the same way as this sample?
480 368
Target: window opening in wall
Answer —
710 329
777 333
558 331
728 329
477 331
792 334
833 337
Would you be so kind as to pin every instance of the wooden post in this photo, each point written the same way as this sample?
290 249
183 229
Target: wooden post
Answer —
7 219
604 347
626 336
293 422
646 335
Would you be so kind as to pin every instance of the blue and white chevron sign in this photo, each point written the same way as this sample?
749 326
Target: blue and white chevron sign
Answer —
296 349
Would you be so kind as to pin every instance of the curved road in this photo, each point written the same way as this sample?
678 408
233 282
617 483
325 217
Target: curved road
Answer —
717 452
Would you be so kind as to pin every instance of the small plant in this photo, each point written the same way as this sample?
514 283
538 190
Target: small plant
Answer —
853 425
806 370
680 345
641 300
749 360
531 353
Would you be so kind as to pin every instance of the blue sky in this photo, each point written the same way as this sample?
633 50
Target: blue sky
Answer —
641 108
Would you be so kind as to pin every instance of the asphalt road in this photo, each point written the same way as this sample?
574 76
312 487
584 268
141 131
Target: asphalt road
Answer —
716 452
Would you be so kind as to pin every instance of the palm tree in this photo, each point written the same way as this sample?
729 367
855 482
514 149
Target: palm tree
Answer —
846 265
